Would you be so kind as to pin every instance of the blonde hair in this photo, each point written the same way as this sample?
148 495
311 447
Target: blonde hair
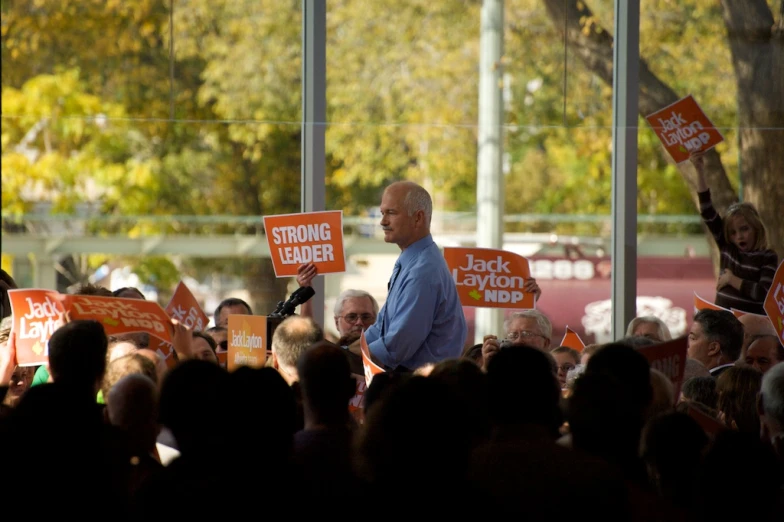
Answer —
663 330
752 217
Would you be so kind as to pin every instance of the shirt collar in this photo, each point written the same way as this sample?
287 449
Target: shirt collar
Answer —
414 250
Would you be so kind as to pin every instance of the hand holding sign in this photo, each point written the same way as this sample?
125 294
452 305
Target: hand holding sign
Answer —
37 314
184 307
491 278
371 368
684 128
305 274
7 359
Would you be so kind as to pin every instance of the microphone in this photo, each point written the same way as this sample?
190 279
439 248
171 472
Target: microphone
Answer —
299 296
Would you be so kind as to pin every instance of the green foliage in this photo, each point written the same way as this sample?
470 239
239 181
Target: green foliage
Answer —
92 77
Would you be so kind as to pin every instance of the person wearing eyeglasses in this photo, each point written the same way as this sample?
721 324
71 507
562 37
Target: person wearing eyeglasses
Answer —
526 327
355 310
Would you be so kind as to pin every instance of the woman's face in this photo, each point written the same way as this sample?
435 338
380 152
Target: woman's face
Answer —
649 330
20 383
565 363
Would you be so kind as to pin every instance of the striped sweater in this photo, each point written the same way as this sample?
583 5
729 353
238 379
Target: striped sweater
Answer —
756 269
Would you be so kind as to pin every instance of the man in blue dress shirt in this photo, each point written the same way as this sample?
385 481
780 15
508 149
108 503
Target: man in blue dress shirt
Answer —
422 320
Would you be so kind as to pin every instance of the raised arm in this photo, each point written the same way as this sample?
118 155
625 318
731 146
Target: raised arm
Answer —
305 274
709 215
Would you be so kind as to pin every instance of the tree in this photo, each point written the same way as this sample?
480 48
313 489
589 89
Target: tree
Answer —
756 42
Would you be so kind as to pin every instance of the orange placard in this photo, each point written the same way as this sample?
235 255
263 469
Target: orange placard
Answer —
356 406
684 129
119 315
371 368
310 237
572 340
489 278
165 350
774 302
186 309
37 314
247 341
670 359
223 358
709 425
703 304
739 313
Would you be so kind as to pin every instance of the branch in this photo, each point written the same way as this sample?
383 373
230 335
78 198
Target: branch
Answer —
594 45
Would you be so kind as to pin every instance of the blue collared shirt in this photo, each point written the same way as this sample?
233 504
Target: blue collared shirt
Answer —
422 320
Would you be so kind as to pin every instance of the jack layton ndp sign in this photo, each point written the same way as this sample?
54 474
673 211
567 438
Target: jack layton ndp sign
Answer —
489 278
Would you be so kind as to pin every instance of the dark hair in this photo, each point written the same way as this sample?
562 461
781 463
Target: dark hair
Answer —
523 388
474 353
702 390
209 339
77 353
629 367
128 290
723 327
91 289
231 301
6 283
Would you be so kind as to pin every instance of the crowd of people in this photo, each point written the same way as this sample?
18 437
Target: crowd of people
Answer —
512 426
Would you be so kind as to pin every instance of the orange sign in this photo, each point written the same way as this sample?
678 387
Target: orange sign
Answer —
371 368
572 340
356 406
223 358
709 425
774 302
489 278
310 237
684 129
670 359
165 350
247 344
36 317
702 304
119 315
186 309
739 313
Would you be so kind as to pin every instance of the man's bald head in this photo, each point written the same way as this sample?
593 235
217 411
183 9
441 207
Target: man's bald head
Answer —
293 337
754 326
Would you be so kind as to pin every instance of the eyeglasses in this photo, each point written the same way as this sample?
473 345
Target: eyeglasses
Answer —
566 367
352 318
523 335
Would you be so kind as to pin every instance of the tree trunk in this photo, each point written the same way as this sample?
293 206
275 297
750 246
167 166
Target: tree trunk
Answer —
756 45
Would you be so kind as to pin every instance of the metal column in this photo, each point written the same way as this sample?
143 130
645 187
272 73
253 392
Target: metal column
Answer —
626 80
489 182
314 116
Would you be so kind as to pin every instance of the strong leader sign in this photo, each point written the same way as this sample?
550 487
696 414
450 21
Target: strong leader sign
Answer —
310 237
489 278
